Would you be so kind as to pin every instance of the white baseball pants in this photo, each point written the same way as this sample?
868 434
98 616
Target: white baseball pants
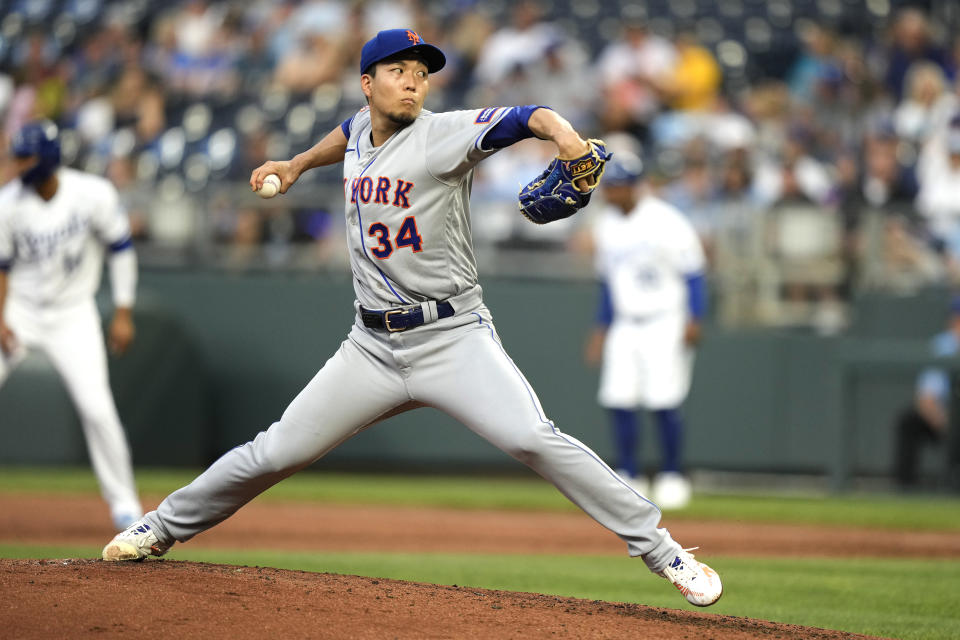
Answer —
646 364
73 341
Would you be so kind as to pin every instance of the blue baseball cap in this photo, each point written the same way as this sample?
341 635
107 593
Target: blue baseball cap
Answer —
392 41
624 168
42 139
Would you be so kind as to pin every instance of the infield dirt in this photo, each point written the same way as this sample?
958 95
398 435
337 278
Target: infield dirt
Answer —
171 599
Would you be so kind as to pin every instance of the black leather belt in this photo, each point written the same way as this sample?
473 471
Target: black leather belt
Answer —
403 318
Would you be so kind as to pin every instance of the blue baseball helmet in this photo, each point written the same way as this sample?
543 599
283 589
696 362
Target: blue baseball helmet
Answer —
392 41
41 139
623 169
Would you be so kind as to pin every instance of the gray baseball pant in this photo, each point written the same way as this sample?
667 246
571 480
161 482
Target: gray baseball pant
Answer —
456 365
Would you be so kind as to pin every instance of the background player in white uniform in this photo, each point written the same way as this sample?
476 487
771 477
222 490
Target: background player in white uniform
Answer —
54 226
653 297
422 334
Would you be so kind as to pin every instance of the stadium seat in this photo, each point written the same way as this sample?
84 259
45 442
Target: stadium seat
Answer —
249 118
326 99
172 145
148 166
34 12
84 11
196 121
221 148
196 171
299 122
275 101
709 31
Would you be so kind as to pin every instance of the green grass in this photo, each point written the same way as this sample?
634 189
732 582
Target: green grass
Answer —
529 493
909 599
884 596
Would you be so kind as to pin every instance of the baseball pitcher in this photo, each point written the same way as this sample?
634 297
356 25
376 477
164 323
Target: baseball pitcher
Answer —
55 223
422 334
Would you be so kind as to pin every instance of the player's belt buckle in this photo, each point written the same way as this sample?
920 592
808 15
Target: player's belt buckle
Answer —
386 320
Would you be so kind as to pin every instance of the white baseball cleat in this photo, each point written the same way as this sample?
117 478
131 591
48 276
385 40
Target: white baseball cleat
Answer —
671 490
136 542
696 581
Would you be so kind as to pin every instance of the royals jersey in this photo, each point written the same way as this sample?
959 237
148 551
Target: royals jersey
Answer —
408 206
54 249
645 257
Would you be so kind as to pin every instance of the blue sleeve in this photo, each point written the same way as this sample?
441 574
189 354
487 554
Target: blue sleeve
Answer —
345 127
697 295
605 307
122 244
511 128
5 265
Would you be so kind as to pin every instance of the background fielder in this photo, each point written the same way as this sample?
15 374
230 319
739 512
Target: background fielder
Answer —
653 297
54 226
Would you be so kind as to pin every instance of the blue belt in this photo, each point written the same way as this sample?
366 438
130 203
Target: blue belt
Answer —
401 319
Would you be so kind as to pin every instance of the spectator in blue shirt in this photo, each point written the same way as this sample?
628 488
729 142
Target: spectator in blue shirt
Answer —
927 420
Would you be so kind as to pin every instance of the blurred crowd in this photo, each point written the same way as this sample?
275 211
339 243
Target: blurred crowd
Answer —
815 145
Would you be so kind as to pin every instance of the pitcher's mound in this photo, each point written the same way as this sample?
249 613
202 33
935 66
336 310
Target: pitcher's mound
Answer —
172 599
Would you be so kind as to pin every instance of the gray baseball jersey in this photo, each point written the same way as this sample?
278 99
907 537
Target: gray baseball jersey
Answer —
408 207
407 210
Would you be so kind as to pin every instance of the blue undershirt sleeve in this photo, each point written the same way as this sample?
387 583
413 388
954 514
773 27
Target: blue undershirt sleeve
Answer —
605 307
697 295
345 127
511 128
121 244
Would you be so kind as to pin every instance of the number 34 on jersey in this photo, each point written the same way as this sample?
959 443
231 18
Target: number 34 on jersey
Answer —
407 236
387 192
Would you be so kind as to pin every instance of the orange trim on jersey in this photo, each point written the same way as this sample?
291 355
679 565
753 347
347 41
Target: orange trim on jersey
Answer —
366 189
382 193
415 231
400 194
382 236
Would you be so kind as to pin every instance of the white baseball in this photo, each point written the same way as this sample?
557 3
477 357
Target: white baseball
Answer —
271 186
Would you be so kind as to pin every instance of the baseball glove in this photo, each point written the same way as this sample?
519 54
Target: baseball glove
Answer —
554 194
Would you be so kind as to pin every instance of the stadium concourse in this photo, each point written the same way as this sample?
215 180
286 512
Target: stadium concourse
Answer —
808 141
